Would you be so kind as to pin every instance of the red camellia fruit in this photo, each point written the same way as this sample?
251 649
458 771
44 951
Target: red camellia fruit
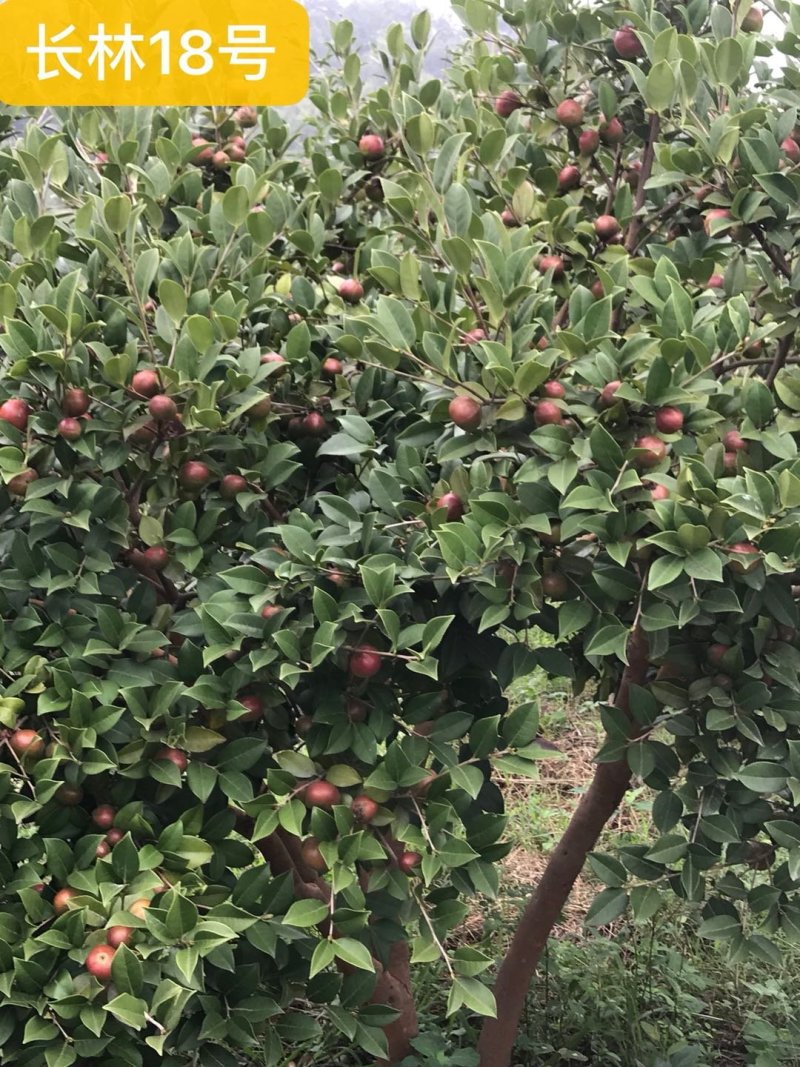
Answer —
598 291
465 412
27 744
145 383
206 150
156 557
69 796
669 420
99 960
569 113
474 337
716 281
612 132
194 475
753 20
274 357
508 218
453 505
371 145
76 402
269 611
119 935
231 485
103 849
70 429
104 816
254 705
653 451
588 142
246 116
18 485
713 215
547 413
507 103
351 291
569 177
62 898
730 462
365 662
659 492
606 227
321 795
314 424
554 390
744 557
626 44
553 263
364 809
332 367
408 861
734 442
174 755
220 160
16 412
162 407
114 836
791 149
716 653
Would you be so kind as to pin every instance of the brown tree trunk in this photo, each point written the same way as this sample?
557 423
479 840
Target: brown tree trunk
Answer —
394 989
605 794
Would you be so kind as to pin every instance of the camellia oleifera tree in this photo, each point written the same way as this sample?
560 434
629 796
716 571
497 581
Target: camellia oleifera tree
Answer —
305 438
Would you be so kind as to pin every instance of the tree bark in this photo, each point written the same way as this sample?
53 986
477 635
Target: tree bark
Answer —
605 794
393 988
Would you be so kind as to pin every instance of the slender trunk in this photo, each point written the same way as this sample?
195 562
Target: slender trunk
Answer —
601 800
394 988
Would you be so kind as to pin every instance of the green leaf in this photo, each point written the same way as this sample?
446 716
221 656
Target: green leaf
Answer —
660 86
305 913
606 907
128 1009
354 953
236 205
126 971
117 213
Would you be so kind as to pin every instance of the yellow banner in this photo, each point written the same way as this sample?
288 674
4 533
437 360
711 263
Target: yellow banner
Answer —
79 53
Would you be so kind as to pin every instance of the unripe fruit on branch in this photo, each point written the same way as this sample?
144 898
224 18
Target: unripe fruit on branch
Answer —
99 960
357 710
555 585
27 744
753 21
465 412
246 116
588 142
119 935
18 485
716 653
69 796
744 557
653 451
162 407
612 132
145 383
598 292
365 662
16 412
194 475
408 861
553 263
312 856
626 44
554 390
669 420
351 291
174 755
104 816
220 160
231 485
509 219
321 795
139 907
62 898
606 227
507 103
254 705
76 402
371 145
453 505
70 429
569 177
364 809
569 113
547 413
206 150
